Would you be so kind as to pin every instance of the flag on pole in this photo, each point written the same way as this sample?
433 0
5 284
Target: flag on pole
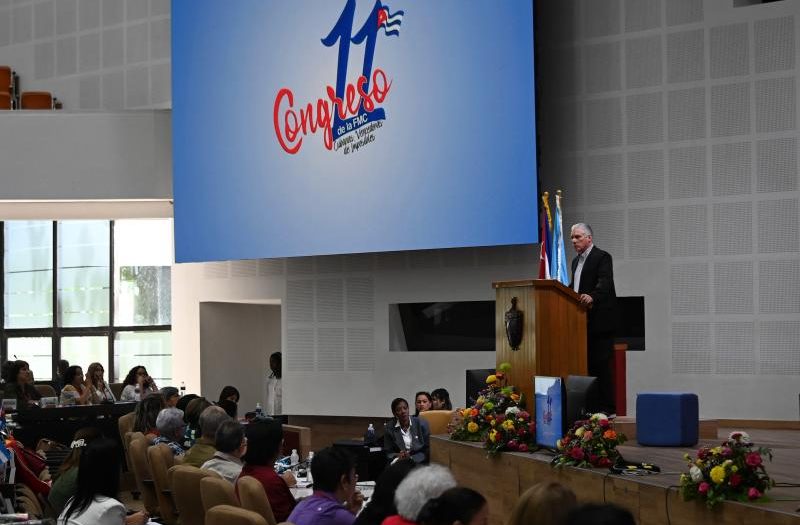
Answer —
544 239
558 264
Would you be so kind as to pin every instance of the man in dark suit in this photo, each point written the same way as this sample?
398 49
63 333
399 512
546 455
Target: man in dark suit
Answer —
593 280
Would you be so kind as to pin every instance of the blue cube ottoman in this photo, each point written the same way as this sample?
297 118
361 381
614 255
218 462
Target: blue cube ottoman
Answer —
667 419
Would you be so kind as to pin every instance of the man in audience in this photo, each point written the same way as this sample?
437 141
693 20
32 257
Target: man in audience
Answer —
231 445
170 427
421 485
334 472
264 440
203 449
273 406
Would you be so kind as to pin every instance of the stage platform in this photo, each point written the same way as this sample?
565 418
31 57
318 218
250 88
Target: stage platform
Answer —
653 499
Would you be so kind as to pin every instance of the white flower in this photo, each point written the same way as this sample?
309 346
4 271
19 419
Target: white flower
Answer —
696 474
741 437
599 416
512 411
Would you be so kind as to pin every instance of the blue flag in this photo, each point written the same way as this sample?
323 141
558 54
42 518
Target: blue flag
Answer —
558 263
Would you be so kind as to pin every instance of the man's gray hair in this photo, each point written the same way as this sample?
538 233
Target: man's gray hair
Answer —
420 486
169 421
582 226
210 420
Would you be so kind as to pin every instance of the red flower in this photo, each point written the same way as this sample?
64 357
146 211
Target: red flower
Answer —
593 458
577 453
735 480
604 462
604 423
702 453
512 445
753 493
703 487
727 452
753 459
500 418
522 447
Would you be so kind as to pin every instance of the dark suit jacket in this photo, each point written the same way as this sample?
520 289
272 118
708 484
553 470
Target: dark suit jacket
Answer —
597 280
420 440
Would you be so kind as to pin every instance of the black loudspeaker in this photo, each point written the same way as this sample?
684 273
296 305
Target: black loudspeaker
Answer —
370 461
583 398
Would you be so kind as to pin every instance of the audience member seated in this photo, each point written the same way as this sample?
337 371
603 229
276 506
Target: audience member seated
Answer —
381 504
230 393
170 429
230 408
66 484
95 500
58 381
171 396
335 500
204 448
422 402
231 445
406 436
19 384
192 419
264 440
457 506
146 414
600 514
98 388
75 392
440 400
546 503
138 384
420 486
184 401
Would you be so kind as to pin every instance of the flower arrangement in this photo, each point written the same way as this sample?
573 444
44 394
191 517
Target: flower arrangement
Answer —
589 443
734 470
498 418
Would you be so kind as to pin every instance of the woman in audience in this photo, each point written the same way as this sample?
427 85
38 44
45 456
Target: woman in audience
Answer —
192 418
171 396
230 393
138 384
264 440
75 392
456 506
406 436
422 402
230 408
546 503
440 400
420 486
146 415
100 392
184 401
381 504
66 484
19 384
95 500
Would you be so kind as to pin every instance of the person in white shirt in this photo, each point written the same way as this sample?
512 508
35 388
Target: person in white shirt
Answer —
231 445
274 403
95 500
138 384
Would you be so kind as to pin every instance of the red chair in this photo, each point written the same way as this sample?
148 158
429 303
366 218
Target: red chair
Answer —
36 100
5 100
6 79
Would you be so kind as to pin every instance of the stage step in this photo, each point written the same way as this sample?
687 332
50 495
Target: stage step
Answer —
627 425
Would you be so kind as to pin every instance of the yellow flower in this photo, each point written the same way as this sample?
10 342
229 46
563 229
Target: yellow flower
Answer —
481 400
508 424
472 427
493 422
580 431
493 436
466 412
734 469
491 379
718 474
559 445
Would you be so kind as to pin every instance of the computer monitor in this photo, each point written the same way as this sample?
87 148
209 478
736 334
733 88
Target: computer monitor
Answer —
476 381
549 405
583 394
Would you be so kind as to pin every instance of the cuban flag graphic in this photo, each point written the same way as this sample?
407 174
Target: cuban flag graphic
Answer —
390 22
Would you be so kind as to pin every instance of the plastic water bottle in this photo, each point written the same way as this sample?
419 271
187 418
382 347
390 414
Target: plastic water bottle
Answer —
309 478
259 410
294 458
183 389
369 437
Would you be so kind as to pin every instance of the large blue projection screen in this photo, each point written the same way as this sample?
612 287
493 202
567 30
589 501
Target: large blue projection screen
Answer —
308 127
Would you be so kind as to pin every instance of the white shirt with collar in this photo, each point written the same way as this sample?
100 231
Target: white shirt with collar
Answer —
576 279
406 434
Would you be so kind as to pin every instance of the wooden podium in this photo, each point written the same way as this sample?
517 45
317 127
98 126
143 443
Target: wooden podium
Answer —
554 336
